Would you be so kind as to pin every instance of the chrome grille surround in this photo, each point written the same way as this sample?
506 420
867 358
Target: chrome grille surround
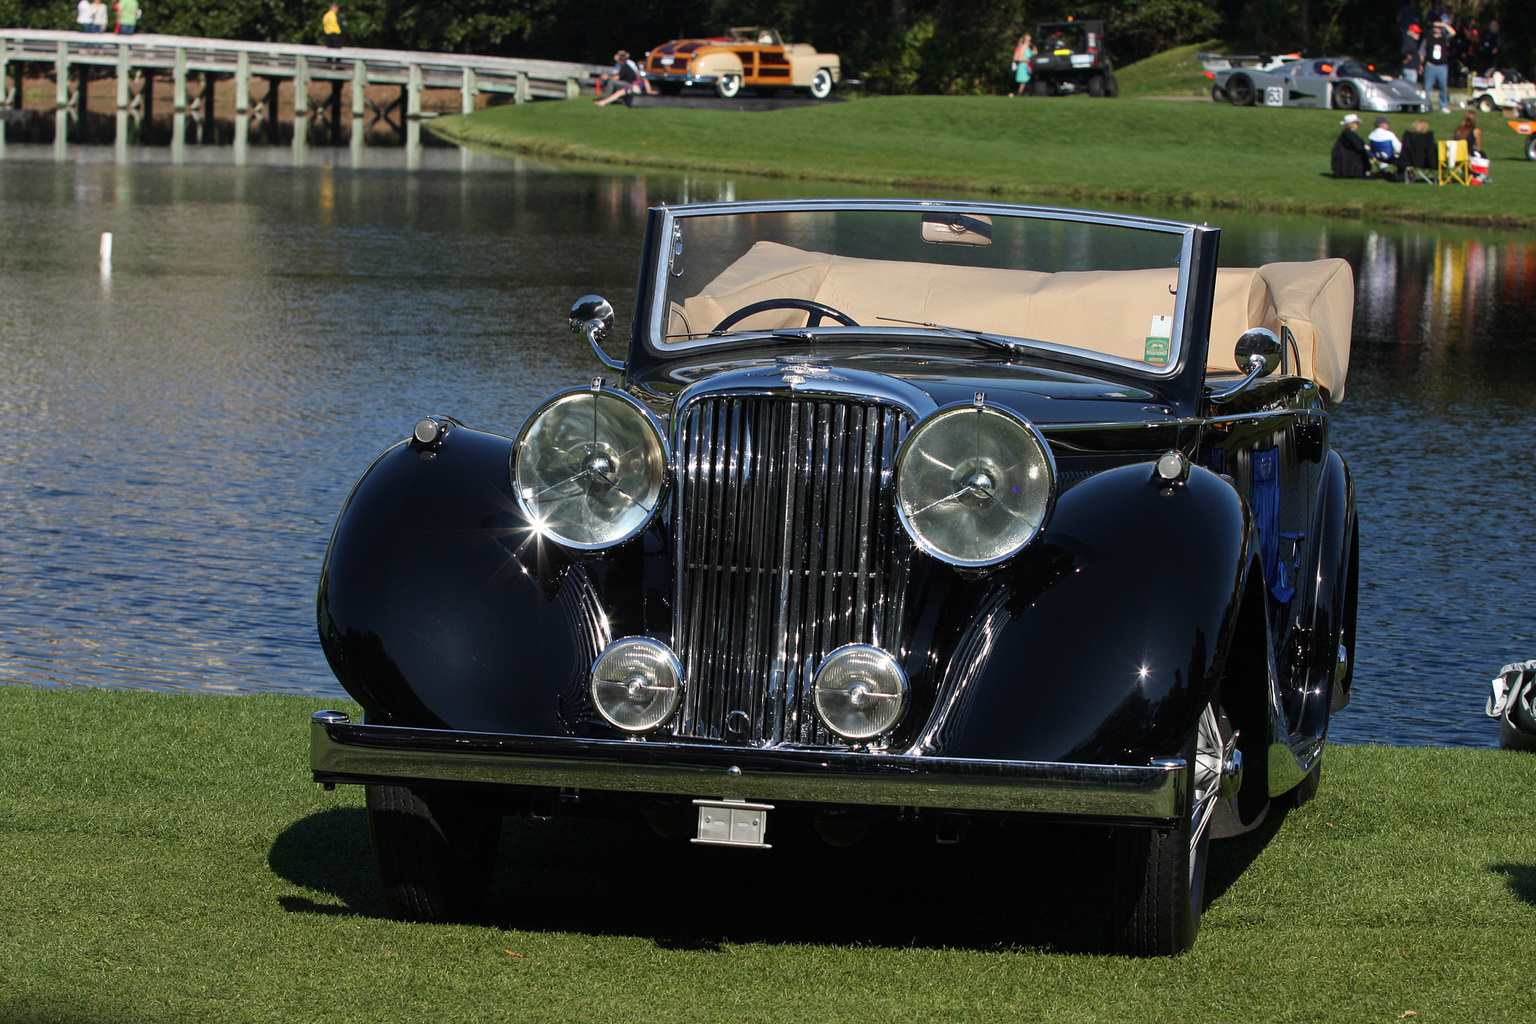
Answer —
787 547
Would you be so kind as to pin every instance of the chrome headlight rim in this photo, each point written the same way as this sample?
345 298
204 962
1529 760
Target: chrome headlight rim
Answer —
598 392
1041 448
891 667
665 658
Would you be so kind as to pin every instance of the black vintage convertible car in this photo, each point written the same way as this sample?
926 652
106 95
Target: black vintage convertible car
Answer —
894 514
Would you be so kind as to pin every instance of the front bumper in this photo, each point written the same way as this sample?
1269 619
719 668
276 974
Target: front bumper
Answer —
342 752
679 78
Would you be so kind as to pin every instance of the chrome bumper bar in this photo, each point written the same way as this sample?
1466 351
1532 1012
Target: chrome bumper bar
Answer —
342 752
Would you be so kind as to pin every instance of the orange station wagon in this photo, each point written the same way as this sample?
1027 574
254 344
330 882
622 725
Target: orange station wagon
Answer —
749 58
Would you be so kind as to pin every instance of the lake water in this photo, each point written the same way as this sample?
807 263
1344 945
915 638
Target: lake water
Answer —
184 430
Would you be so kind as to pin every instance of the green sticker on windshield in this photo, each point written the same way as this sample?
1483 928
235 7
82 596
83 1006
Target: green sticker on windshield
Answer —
1157 351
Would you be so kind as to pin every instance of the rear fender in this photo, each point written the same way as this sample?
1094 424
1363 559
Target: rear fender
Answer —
1114 658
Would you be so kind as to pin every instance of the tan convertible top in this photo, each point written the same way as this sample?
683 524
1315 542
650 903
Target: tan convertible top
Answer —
1109 311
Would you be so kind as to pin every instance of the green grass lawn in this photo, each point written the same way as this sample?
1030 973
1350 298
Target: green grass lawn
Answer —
1074 149
165 858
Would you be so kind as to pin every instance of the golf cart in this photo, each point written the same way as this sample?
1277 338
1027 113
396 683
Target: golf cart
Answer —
1071 57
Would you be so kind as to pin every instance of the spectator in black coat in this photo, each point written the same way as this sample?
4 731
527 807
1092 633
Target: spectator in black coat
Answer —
1349 156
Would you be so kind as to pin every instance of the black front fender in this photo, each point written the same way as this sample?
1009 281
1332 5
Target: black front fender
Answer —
1113 660
439 606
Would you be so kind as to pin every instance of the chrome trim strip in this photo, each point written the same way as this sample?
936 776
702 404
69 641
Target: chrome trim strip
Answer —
1154 794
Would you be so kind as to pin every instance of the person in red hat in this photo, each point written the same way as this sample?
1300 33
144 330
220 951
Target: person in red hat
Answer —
1413 53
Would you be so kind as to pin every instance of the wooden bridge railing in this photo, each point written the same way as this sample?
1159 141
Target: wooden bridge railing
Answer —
413 71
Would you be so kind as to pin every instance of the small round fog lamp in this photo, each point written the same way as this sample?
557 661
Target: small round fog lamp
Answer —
636 683
860 692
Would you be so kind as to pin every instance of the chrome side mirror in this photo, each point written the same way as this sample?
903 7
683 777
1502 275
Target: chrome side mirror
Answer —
593 316
1258 343
1258 354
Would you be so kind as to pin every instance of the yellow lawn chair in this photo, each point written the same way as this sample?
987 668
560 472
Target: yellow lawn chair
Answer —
1455 165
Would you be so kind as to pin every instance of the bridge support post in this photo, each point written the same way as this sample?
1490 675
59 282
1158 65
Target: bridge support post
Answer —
61 102
120 139
359 135
179 107
523 95
271 101
300 108
242 105
468 91
82 100
6 98
413 117
207 98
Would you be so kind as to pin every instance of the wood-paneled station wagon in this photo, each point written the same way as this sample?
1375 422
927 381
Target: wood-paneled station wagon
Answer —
894 515
752 58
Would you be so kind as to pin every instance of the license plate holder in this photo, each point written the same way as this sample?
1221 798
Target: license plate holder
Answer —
732 823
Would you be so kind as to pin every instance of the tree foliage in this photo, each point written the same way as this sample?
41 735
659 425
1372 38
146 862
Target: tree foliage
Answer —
927 46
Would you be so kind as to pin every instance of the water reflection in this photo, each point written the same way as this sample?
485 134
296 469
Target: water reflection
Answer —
184 430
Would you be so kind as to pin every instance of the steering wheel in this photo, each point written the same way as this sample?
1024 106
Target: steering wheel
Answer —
817 311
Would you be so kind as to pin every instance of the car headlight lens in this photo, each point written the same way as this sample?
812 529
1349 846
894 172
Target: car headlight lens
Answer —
860 691
589 468
974 484
636 683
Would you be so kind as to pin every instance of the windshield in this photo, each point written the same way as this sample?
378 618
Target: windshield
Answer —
1103 286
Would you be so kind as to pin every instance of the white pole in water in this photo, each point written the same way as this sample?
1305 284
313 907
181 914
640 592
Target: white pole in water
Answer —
106 254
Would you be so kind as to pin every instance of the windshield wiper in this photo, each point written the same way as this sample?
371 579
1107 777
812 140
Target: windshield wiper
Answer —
994 341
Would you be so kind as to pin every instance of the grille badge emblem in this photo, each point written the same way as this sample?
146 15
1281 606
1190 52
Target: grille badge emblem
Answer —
736 723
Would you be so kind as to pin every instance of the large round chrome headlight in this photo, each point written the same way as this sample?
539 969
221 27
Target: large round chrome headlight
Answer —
860 691
589 467
636 683
974 484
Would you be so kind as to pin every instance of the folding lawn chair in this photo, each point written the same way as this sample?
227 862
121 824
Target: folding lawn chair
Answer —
1383 158
1455 162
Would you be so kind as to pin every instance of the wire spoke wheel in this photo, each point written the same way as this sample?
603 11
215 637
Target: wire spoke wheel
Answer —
1160 886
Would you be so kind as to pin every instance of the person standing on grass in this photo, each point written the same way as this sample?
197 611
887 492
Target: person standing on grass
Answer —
1492 41
1413 53
1023 53
1437 60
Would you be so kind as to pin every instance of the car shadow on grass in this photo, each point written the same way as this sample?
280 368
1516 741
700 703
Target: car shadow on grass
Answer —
1041 889
1521 879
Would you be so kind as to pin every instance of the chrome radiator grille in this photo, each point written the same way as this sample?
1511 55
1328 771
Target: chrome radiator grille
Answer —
788 547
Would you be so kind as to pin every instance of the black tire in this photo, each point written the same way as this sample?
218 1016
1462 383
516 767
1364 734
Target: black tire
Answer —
1240 91
1346 96
1160 885
1218 94
728 85
1486 105
1040 87
1096 86
1111 86
1530 148
435 850
821 84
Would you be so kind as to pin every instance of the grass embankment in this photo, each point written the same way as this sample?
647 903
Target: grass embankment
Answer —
1074 149
165 858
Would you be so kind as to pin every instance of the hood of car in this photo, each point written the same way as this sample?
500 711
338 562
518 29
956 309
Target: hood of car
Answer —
920 379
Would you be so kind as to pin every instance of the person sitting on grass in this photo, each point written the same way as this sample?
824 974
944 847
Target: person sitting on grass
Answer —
1419 150
1386 148
627 74
1349 157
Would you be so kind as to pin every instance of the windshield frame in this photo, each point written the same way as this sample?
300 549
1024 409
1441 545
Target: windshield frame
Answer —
649 342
